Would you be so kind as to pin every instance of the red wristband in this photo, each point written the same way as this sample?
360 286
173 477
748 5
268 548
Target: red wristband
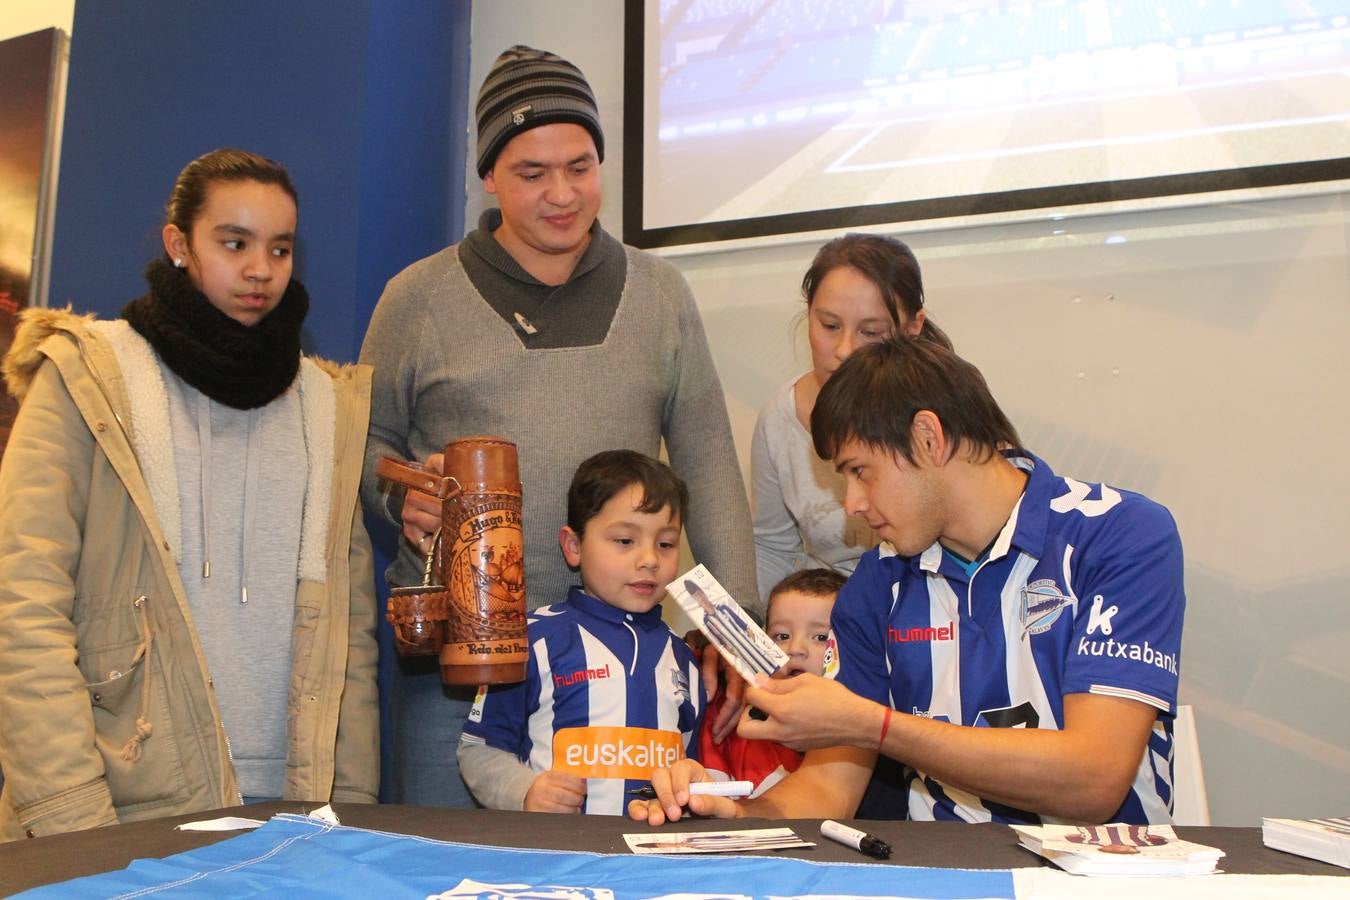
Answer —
885 727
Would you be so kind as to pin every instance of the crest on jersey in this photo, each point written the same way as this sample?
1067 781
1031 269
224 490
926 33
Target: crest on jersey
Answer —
1042 604
829 666
681 682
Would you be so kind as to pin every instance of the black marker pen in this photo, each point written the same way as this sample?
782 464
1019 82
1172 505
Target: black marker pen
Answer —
874 847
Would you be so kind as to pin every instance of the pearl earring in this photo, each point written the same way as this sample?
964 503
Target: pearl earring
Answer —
177 263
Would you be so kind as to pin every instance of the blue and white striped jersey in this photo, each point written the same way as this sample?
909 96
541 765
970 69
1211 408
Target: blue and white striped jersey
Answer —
1081 592
609 695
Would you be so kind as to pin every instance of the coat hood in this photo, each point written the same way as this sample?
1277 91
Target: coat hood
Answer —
36 324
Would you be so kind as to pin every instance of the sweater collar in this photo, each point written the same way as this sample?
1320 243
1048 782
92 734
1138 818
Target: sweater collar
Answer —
482 242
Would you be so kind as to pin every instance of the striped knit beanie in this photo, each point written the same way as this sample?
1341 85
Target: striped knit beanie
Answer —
528 88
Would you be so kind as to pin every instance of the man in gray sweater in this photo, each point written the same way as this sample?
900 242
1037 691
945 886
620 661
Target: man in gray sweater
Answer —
541 328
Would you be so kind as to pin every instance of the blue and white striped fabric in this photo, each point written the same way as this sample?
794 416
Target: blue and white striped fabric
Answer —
1081 592
608 694
299 857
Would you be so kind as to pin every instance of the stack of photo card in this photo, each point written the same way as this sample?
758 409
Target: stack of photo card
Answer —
1119 849
741 642
1324 839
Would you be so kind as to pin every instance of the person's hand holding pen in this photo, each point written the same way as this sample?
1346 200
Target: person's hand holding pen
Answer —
673 797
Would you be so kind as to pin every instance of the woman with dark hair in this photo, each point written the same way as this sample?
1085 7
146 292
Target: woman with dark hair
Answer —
860 289
186 588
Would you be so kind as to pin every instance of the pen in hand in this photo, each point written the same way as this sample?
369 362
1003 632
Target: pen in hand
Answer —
711 788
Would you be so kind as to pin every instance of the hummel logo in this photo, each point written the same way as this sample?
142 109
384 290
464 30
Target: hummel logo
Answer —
1097 618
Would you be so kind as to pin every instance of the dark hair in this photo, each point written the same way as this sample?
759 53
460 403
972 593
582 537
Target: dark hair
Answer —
226 164
874 396
811 582
602 476
886 262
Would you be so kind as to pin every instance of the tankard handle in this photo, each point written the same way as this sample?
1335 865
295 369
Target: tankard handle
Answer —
417 476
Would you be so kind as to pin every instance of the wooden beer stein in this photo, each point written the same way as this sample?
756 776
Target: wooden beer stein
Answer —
474 615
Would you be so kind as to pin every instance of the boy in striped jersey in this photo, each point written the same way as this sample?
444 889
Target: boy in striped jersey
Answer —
1015 641
611 693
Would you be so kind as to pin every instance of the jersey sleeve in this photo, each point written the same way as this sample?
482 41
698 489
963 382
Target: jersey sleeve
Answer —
1128 582
500 717
858 622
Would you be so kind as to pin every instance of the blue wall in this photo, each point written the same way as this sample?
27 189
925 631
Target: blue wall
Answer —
363 100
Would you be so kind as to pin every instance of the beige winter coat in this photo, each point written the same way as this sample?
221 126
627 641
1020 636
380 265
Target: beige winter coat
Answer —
107 711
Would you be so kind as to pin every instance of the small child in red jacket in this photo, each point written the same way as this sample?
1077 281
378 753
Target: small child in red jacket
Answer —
799 622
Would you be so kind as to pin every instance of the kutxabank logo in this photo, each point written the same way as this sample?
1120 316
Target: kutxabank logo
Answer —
1100 622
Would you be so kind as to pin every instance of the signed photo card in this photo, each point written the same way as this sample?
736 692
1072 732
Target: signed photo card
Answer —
741 642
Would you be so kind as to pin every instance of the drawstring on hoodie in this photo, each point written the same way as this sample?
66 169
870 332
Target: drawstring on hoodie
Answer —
252 465
131 750
204 461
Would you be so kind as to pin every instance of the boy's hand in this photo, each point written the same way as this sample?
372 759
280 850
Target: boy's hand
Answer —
712 666
422 512
554 791
730 714
672 793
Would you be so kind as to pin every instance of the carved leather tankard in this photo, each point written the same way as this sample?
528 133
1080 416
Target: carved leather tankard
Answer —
471 606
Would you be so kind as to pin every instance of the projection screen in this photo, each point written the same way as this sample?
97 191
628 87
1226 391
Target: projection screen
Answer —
758 117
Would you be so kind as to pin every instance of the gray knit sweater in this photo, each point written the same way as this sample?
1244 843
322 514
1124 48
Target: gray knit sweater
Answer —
448 364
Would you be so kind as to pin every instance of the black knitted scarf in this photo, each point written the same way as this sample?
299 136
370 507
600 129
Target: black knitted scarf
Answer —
238 365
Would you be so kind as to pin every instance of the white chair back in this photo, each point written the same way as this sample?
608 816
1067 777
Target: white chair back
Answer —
1190 800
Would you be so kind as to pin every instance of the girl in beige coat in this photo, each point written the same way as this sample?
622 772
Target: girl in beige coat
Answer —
187 609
